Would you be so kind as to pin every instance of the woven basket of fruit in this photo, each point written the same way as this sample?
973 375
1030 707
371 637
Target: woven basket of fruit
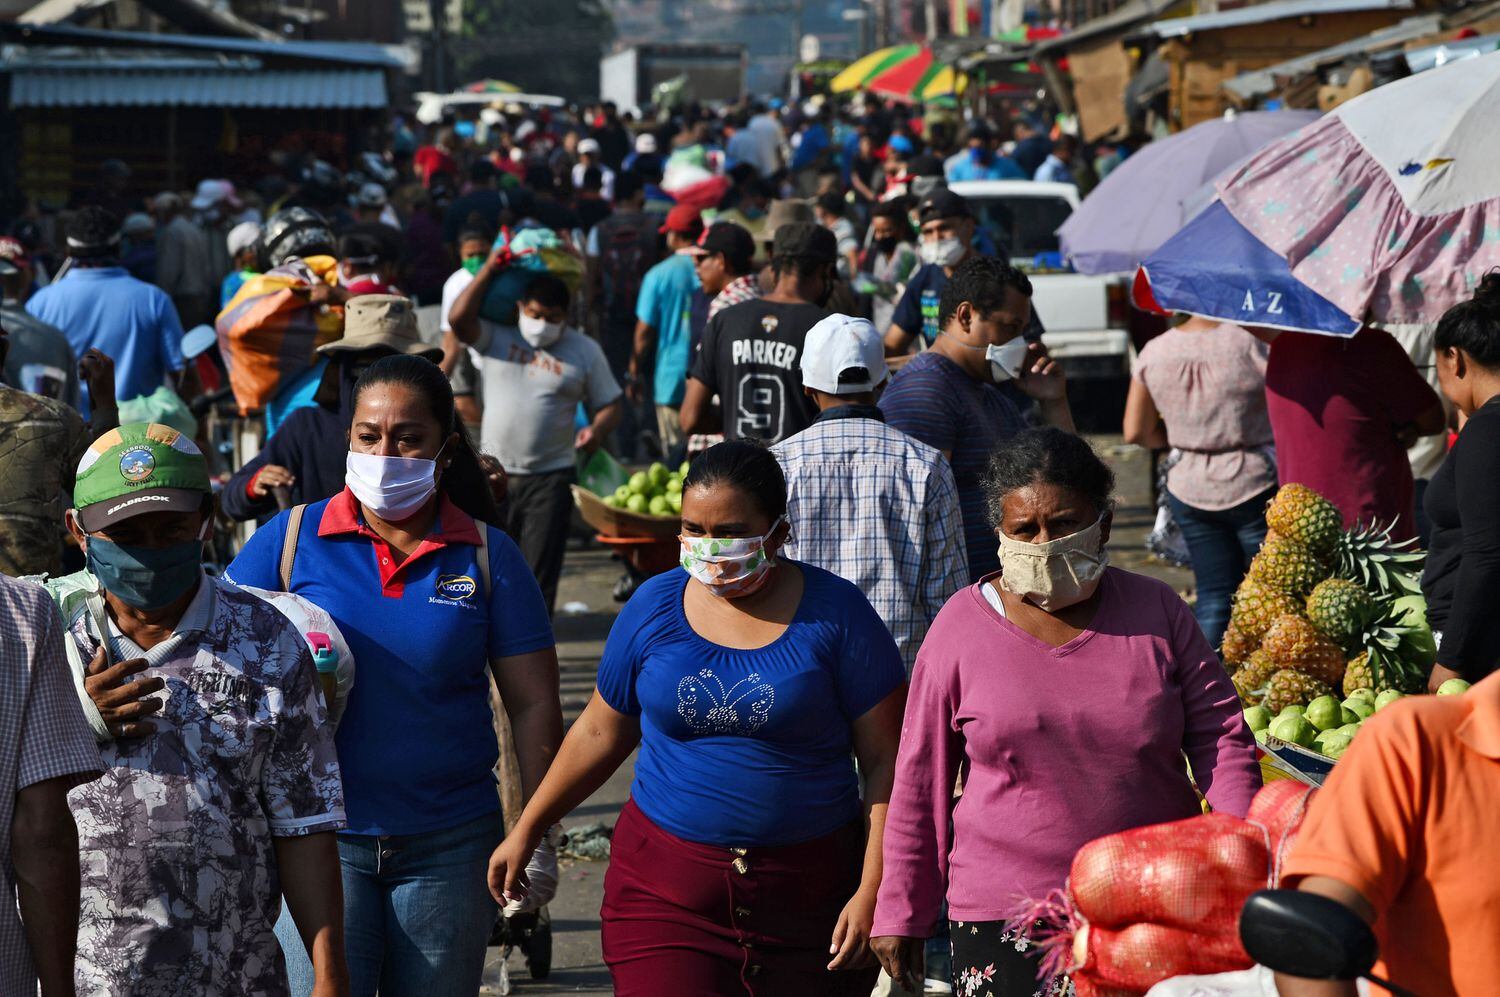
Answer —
612 521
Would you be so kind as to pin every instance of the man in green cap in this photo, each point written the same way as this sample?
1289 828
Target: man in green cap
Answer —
221 789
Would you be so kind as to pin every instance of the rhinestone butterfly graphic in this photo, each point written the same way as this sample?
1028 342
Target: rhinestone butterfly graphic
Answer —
709 708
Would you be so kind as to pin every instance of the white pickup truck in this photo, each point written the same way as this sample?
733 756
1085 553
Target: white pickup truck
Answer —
1086 318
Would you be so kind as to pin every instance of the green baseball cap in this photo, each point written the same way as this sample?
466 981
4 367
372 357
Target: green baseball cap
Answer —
139 467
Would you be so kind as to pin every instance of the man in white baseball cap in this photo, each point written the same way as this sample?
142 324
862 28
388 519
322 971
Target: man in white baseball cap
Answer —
590 155
849 475
243 243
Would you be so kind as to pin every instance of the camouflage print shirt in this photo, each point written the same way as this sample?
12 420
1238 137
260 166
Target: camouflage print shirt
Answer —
180 888
40 443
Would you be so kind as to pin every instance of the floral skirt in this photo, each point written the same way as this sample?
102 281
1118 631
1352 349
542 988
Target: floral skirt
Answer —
989 960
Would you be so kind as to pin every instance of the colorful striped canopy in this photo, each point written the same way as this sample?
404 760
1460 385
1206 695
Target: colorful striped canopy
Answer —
491 86
907 72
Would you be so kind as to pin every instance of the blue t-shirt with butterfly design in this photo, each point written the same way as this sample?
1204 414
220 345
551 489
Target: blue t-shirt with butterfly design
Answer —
748 747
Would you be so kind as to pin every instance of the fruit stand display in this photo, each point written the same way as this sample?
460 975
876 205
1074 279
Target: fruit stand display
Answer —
1328 627
640 518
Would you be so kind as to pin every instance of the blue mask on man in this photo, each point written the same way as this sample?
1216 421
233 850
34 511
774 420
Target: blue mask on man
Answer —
145 577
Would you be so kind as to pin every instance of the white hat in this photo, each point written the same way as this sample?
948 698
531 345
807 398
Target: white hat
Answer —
211 192
242 237
842 343
645 144
588 147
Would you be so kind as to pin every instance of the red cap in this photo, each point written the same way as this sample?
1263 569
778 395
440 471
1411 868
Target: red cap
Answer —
684 220
12 251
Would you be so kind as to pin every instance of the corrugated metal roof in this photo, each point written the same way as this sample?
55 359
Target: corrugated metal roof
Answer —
1261 13
1117 21
1260 82
358 53
212 88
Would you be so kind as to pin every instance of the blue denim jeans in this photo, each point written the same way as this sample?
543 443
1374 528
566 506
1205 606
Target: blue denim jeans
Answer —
1221 544
417 912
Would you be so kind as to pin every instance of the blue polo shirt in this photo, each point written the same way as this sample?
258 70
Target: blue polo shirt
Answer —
131 322
416 743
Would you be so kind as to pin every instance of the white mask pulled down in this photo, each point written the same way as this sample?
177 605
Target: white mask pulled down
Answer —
1056 574
538 332
1007 361
942 253
391 487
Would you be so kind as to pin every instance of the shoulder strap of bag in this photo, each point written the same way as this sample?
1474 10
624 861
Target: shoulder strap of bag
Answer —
289 545
484 558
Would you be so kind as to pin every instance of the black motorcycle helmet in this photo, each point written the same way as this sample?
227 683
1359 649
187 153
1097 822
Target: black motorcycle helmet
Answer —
294 232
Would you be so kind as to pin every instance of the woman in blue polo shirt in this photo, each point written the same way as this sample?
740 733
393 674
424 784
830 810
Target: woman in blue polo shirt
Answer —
394 559
745 861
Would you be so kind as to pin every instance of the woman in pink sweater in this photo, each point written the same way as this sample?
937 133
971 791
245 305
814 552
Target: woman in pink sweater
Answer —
1066 693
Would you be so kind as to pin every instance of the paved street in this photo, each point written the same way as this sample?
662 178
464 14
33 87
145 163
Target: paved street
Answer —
588 577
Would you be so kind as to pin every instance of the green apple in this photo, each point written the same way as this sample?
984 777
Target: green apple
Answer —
1387 698
1258 717
1368 695
1360 707
658 506
1453 687
639 483
658 473
636 504
1335 744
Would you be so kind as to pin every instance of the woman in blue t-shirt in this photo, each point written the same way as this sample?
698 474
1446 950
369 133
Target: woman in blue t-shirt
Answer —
745 860
395 560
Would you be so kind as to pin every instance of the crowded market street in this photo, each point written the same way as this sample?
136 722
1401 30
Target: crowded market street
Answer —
850 498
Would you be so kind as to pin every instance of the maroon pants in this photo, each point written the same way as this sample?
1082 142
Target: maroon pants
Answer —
697 920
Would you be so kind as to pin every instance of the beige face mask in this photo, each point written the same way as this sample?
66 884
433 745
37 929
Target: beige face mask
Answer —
1056 574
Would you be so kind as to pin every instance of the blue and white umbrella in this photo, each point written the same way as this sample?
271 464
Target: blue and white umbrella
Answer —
1216 268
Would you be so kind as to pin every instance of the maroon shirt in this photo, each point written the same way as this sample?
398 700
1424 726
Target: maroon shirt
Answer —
1336 406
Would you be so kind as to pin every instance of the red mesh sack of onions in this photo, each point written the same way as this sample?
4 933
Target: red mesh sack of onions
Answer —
1155 902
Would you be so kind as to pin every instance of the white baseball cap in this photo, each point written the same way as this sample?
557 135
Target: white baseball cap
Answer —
842 343
645 144
242 237
588 147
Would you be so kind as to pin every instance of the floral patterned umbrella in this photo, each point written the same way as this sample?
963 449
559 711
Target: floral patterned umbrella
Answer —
1388 207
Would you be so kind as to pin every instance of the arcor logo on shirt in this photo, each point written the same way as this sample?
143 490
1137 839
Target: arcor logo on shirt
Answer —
455 590
761 351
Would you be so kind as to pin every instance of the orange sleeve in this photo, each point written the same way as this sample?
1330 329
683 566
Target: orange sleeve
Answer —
1362 826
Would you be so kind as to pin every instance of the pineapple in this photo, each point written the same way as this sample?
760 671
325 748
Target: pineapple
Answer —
1289 687
1251 679
1301 514
1287 566
1296 644
1257 606
1237 647
1386 659
1341 609
1358 674
1387 569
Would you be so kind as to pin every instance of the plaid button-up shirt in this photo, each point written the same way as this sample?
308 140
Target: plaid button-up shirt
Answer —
46 737
878 508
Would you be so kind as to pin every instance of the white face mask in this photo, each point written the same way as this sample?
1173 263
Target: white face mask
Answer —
1056 574
942 253
538 332
1007 361
391 487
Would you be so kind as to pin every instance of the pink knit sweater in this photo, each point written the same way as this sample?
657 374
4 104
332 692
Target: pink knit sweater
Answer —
1058 746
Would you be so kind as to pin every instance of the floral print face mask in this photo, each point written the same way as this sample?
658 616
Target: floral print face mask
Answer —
729 567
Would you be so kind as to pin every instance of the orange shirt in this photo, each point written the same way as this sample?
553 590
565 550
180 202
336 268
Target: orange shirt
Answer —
1409 818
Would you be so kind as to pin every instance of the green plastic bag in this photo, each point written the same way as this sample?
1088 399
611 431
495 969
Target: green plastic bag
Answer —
164 406
601 473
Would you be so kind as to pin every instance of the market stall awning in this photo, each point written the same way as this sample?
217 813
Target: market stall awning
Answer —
139 86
